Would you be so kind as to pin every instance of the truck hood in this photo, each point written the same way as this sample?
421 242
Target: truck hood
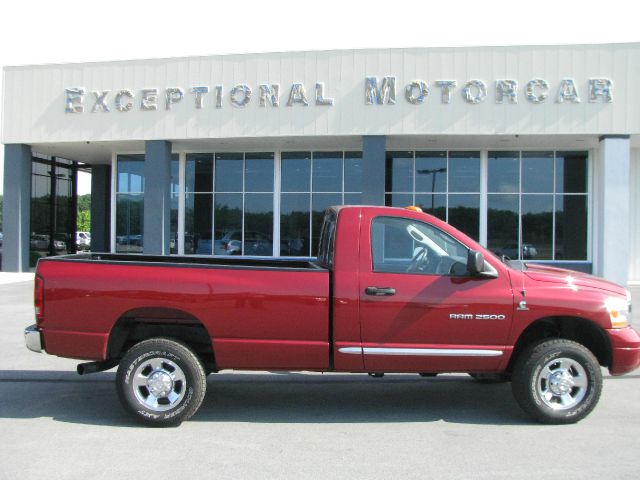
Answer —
544 273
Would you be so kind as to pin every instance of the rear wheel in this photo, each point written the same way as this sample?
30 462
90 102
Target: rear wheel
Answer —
557 381
161 382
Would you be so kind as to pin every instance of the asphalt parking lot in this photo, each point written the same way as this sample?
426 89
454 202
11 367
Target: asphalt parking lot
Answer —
55 424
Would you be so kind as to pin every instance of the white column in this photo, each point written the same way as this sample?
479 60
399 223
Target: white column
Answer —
612 206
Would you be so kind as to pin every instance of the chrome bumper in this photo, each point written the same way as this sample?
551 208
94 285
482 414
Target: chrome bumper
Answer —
33 339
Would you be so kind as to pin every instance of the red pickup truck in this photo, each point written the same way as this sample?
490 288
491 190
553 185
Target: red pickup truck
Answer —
392 290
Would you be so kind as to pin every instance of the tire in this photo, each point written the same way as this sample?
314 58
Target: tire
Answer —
557 381
490 377
161 382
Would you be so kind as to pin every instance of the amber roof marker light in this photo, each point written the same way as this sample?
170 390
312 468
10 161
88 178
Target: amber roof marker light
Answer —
414 208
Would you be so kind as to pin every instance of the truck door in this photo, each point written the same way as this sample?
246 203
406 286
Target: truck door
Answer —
419 308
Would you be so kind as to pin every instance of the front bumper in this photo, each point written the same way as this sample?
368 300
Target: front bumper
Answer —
33 339
625 349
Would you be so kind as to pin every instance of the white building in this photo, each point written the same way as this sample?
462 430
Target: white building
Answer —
531 150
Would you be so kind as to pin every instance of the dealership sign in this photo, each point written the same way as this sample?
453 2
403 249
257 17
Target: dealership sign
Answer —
376 92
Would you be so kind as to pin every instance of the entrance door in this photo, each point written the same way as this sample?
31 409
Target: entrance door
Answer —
419 308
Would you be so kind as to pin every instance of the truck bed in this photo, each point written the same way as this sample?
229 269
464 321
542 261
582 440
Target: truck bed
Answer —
257 312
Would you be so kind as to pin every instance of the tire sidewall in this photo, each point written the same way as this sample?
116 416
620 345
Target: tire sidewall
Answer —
143 352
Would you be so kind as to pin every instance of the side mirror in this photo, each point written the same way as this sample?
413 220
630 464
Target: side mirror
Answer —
475 263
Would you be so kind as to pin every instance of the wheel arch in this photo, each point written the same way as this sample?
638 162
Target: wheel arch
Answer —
141 324
578 329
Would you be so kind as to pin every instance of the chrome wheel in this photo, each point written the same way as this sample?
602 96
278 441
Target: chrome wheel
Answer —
562 383
159 384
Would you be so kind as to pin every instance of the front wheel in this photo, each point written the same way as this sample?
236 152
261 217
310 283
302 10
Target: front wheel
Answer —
557 381
161 382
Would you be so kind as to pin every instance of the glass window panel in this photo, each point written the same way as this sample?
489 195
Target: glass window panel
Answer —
258 224
537 172
295 233
130 173
431 171
327 172
571 227
571 172
320 202
129 221
394 249
399 172
537 227
353 199
295 171
229 172
197 223
258 172
504 172
464 172
175 175
38 168
434 204
398 200
353 171
228 226
464 214
199 172
502 225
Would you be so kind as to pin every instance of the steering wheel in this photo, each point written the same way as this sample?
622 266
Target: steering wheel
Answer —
417 260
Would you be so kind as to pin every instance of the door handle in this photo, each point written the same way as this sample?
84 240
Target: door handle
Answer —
380 291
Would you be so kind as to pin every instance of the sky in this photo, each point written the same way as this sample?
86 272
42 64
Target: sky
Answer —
65 31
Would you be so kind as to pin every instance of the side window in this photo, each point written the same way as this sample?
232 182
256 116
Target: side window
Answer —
402 245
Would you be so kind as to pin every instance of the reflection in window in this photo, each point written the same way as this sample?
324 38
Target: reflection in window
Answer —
130 204
310 183
243 204
530 222
444 184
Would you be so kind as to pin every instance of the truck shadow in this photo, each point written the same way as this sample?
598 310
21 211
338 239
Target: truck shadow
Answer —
262 398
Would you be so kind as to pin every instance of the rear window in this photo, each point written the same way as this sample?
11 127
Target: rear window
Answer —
327 239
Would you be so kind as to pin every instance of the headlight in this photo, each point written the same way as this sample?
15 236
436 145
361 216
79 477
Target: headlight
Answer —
619 310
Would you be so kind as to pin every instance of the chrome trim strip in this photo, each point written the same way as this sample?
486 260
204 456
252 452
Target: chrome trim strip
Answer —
424 352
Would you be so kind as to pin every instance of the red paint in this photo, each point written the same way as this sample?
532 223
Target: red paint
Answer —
280 318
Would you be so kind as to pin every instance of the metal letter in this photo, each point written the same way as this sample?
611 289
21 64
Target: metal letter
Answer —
199 92
447 87
126 105
320 100
530 90
481 91
149 100
423 91
246 95
270 94
297 95
73 100
218 96
173 95
379 96
100 101
600 87
567 91
506 88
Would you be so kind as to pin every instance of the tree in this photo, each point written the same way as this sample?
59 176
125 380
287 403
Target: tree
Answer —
83 223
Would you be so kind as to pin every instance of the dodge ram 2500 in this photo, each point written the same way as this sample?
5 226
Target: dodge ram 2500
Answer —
392 290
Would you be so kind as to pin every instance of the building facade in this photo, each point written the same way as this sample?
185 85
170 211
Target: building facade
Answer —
533 151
